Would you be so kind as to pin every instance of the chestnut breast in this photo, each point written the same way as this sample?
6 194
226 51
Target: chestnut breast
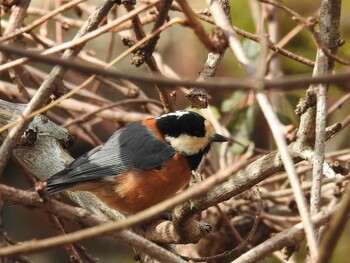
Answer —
135 191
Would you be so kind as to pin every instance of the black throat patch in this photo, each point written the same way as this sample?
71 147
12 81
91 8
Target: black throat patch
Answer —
195 159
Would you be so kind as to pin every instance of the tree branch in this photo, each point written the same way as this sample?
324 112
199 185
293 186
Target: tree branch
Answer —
328 37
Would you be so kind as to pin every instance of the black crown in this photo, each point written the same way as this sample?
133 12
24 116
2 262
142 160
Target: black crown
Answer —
181 123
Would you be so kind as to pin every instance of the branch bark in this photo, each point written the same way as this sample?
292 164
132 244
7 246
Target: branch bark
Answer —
328 37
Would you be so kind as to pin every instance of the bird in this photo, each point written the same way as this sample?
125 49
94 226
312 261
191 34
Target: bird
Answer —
142 163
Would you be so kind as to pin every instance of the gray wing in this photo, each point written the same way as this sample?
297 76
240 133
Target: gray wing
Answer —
131 147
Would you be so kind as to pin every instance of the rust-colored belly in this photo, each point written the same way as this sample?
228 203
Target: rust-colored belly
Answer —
132 192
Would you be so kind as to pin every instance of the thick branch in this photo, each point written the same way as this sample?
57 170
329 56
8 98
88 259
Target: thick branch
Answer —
243 180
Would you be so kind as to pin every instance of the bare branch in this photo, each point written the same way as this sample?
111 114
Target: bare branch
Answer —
328 36
288 82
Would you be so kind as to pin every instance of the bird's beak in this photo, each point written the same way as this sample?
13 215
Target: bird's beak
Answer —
219 138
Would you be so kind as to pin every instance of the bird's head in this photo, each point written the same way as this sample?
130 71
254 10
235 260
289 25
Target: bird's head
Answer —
188 132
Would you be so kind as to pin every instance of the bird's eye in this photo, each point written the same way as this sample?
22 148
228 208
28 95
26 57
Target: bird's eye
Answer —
197 133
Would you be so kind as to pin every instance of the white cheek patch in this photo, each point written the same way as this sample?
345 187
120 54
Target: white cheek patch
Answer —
188 145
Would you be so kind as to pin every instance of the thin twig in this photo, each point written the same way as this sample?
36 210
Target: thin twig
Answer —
41 20
70 249
148 58
89 115
18 15
289 237
196 26
237 250
309 24
338 104
222 21
335 228
82 39
79 107
274 48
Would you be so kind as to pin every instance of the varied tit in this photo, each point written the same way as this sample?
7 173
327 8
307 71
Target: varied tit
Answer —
142 163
